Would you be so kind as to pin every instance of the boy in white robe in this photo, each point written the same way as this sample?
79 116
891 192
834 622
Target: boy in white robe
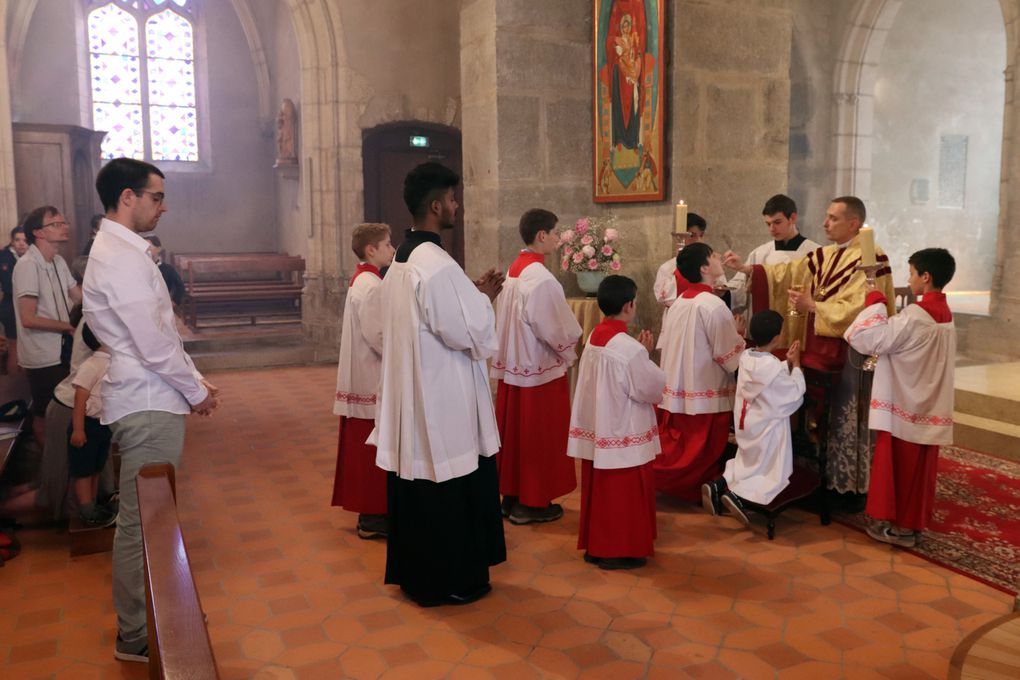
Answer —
435 428
787 245
359 485
911 397
669 283
613 431
701 346
769 391
537 335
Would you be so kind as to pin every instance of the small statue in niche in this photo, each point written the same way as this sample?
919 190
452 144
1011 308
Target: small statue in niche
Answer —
286 128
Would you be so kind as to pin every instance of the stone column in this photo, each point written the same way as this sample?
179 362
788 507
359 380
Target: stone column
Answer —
8 192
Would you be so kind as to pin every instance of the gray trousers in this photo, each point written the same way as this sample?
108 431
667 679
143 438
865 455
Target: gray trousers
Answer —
143 437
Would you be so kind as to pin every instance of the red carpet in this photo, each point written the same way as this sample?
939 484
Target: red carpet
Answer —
975 528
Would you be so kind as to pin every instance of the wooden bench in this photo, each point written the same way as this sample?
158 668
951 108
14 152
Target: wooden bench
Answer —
179 644
242 284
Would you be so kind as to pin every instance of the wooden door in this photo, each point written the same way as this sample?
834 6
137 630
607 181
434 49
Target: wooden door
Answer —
389 153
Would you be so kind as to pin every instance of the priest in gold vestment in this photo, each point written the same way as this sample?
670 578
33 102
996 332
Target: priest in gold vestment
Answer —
827 291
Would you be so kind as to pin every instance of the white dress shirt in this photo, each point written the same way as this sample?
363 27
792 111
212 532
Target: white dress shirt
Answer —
128 308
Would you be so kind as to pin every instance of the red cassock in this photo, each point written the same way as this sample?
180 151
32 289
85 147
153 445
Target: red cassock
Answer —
692 449
902 486
617 511
533 424
359 486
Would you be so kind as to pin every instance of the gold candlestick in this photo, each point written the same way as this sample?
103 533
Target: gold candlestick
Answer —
870 275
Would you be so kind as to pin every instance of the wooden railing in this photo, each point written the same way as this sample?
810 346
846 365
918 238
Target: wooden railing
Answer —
179 644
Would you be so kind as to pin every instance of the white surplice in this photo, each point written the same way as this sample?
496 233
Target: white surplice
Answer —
912 392
357 373
612 422
767 395
700 349
535 328
766 253
434 417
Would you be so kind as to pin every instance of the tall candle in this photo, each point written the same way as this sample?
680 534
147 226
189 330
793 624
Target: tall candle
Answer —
680 226
867 242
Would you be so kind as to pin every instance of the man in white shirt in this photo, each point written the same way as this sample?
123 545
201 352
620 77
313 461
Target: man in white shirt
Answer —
787 244
45 292
151 383
435 429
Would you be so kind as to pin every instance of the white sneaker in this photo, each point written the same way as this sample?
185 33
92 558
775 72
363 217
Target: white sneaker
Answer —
884 532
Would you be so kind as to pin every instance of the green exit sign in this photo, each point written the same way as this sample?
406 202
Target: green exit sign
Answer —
419 141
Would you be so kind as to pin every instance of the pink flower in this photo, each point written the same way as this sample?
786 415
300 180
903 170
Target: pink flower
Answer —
607 250
582 225
593 265
567 236
578 257
588 251
568 250
615 266
565 264
587 239
612 235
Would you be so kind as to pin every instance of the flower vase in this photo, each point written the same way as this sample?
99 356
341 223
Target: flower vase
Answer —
589 282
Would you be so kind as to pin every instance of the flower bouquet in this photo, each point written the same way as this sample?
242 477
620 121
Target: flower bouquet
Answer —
590 250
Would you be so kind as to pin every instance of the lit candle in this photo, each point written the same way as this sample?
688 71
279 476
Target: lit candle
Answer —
680 227
867 243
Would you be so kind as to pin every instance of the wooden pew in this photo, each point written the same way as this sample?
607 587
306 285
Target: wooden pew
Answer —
179 644
243 284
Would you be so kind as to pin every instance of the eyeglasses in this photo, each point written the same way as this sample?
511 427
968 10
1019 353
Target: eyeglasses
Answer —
55 224
157 196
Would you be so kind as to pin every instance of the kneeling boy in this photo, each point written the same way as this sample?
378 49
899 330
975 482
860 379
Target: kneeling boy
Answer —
613 431
769 391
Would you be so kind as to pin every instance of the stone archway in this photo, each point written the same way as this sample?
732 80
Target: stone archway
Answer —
853 118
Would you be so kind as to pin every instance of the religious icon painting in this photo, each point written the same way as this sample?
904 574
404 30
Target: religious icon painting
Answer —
628 66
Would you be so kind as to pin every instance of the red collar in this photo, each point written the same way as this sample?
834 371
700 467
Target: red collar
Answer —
681 282
694 289
525 258
365 267
937 306
604 332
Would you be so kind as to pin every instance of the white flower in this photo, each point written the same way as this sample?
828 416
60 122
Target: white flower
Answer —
588 251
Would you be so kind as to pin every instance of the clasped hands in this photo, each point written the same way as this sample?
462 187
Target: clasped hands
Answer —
491 283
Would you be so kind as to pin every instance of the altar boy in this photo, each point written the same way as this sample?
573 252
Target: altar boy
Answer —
911 397
537 334
769 391
359 485
614 433
701 346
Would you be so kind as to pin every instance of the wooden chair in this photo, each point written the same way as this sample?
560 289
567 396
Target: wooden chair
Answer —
179 644
904 296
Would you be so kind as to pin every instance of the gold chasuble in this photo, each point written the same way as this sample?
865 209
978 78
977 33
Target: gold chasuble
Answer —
831 276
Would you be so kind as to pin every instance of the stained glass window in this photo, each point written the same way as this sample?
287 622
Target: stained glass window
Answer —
142 71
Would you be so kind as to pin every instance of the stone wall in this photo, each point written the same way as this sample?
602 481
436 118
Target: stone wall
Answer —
526 79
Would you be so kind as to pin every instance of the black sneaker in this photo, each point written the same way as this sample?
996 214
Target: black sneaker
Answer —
131 651
97 517
524 514
507 506
732 503
613 563
373 526
710 492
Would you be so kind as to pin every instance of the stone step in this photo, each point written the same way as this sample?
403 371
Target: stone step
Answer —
986 435
253 356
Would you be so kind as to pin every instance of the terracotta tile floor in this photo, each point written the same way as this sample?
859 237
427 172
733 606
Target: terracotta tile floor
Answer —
291 592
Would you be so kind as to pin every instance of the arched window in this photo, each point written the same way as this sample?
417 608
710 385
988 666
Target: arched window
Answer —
142 76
